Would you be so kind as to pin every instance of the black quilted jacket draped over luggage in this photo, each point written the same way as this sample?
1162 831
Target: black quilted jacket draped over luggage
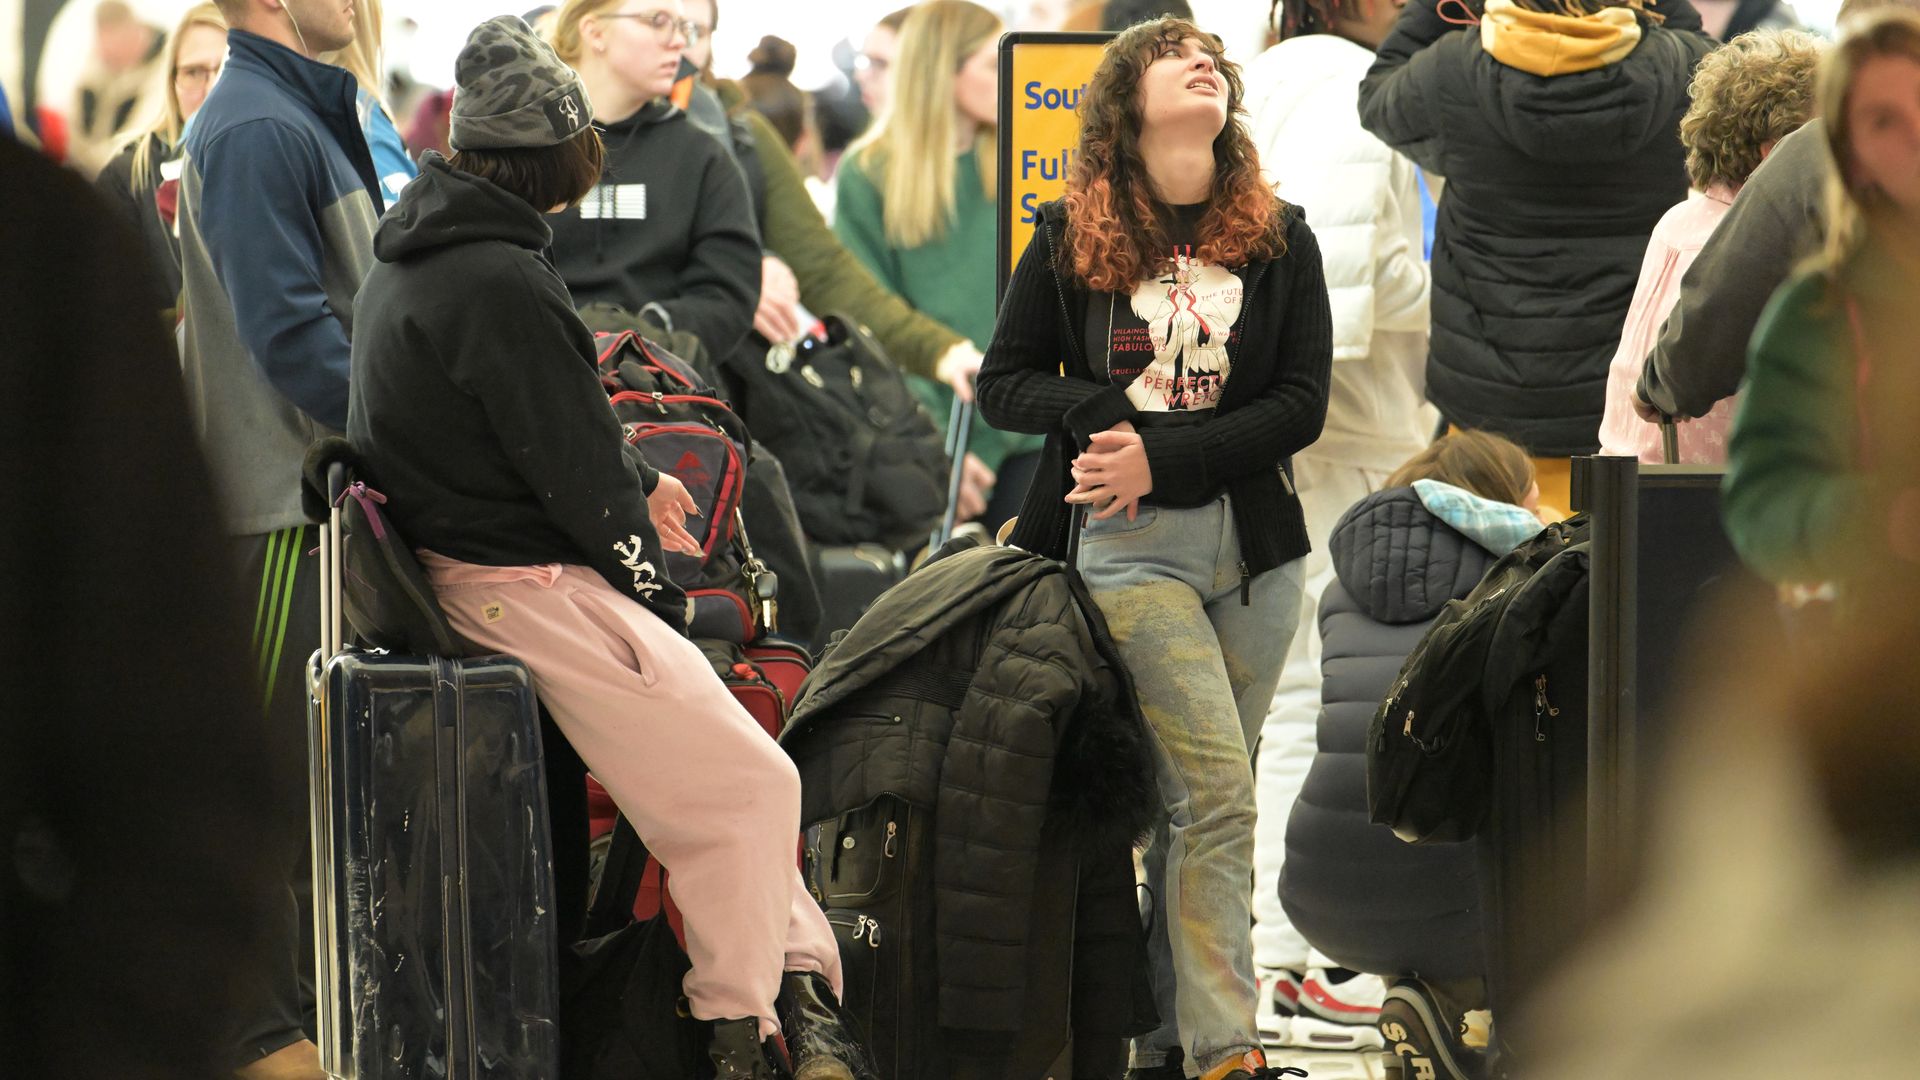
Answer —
984 689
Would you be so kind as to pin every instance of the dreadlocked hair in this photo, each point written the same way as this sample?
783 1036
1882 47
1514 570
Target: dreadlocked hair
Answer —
1293 18
1114 222
1297 18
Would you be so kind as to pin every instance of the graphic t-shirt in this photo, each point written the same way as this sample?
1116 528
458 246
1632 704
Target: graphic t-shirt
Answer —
1170 340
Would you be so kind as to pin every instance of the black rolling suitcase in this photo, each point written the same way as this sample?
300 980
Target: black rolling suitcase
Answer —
434 906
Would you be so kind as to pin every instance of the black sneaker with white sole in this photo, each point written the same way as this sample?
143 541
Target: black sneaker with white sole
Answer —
1421 1038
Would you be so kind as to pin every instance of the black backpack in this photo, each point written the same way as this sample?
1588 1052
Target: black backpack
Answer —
1429 748
866 462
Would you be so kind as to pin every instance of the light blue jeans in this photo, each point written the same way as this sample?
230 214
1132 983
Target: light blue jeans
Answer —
1205 659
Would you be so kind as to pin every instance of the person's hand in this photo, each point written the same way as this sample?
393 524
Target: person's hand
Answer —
958 367
976 486
669 506
1645 411
1113 474
778 317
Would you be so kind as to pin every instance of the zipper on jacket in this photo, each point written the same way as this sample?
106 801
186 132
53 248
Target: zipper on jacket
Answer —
893 832
1542 709
1246 585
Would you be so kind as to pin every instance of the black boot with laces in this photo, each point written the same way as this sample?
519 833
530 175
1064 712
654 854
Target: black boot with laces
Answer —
739 1053
821 1038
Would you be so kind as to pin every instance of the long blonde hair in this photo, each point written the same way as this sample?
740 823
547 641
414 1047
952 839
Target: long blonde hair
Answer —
917 129
363 58
170 122
1852 204
566 26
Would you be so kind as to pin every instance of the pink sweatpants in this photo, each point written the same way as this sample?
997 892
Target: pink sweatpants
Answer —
715 799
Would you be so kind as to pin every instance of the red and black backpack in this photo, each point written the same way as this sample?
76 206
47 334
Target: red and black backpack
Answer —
682 427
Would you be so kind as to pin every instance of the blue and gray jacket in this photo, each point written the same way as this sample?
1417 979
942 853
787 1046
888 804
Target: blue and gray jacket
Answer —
278 204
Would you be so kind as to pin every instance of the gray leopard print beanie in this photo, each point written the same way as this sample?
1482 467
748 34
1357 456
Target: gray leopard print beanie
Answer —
511 90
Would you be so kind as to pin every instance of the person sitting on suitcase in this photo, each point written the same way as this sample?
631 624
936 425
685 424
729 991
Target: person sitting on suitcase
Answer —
1190 309
476 403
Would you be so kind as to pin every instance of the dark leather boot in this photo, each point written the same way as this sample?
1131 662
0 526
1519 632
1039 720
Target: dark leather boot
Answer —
739 1054
820 1035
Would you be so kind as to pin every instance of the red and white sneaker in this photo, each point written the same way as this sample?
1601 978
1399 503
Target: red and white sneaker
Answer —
1279 1002
1338 1014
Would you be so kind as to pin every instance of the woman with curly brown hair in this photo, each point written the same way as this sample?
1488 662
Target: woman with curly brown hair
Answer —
1188 306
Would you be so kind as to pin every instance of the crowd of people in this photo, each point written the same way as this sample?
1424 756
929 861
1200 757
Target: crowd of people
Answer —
1384 281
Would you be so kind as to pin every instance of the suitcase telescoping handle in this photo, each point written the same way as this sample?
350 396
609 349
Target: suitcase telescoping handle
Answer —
333 1006
1669 441
332 639
959 437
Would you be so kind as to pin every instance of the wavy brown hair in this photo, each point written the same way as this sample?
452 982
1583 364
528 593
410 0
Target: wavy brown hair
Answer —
1115 233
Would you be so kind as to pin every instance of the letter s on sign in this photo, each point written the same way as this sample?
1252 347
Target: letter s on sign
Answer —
1033 94
1029 208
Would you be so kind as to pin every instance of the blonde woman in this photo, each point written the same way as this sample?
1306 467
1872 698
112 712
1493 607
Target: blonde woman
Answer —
134 179
915 203
668 232
366 61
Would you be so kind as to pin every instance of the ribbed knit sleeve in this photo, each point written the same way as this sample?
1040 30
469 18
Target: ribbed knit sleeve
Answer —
1021 386
1287 416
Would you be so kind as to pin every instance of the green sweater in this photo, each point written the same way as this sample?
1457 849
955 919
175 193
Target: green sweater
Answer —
832 281
950 279
1799 506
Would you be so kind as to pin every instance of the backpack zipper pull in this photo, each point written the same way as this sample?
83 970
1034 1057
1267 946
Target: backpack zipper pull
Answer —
1246 585
893 830
1542 709
659 402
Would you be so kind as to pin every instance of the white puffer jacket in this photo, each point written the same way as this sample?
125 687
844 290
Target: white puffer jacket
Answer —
1363 202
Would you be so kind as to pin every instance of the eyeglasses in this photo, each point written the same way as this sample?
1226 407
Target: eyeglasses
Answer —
665 24
196 74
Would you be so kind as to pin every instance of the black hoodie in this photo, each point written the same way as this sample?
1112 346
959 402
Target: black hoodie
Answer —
670 226
475 402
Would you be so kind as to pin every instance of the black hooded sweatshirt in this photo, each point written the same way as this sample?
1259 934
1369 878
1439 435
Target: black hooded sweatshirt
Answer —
475 401
1554 185
670 227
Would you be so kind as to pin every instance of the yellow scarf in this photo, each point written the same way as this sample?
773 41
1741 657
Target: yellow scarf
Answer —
1557 44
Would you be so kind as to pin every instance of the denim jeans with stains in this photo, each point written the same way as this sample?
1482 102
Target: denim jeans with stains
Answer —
1205 650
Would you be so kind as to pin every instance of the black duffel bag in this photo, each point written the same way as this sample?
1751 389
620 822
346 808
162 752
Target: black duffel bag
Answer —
865 461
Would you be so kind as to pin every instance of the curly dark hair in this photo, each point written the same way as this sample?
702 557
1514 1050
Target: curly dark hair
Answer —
1115 232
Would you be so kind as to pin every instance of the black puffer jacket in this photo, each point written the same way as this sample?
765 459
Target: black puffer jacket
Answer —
1049 736
1354 890
1554 184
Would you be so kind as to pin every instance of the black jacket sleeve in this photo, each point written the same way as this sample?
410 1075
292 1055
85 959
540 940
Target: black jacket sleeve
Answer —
719 288
551 416
1290 411
1399 102
1701 356
1020 387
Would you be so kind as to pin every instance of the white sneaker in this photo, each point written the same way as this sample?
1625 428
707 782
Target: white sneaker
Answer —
1279 1001
1338 1015
1354 1000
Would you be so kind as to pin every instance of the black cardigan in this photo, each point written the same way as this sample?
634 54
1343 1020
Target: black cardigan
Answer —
1273 406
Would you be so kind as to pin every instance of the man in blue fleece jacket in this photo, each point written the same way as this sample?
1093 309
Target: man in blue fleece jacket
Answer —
278 203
